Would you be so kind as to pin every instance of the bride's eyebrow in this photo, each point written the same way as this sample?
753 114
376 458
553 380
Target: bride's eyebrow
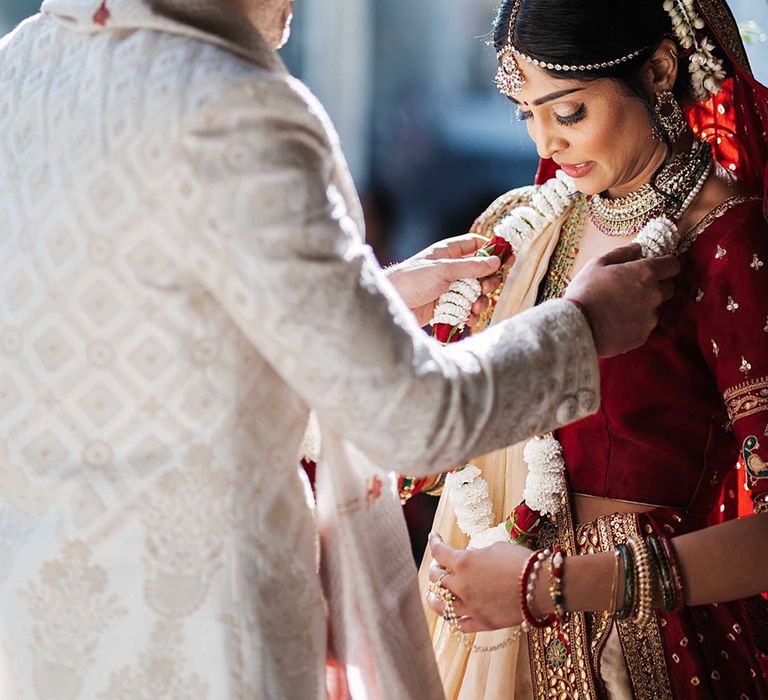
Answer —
551 96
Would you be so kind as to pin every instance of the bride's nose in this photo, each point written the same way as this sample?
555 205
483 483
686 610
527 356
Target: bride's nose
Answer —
548 141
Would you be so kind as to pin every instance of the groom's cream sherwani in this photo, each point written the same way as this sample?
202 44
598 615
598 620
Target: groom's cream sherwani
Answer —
182 278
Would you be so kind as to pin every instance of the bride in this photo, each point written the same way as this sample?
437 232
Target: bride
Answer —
617 570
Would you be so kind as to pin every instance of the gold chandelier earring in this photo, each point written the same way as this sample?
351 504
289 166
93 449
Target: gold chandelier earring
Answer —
669 120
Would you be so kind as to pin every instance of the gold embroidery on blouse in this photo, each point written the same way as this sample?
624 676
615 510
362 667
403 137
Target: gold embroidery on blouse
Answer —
715 348
732 305
756 263
690 236
745 366
721 252
746 399
699 295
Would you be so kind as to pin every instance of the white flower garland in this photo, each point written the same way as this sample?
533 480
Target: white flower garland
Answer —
545 483
658 237
518 228
548 202
707 73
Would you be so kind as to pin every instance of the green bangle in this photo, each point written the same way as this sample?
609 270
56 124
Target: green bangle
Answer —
629 582
665 576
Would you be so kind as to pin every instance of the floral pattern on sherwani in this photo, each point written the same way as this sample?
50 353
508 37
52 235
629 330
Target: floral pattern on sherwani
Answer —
183 278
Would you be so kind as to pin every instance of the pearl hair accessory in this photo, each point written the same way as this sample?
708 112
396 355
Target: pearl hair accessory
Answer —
510 79
707 73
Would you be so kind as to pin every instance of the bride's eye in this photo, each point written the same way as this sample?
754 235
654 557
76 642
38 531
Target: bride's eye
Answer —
573 117
522 115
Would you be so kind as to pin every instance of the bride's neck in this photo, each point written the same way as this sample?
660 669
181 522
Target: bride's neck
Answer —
654 162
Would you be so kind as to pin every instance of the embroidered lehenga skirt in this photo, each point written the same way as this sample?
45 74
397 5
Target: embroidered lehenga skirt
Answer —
702 652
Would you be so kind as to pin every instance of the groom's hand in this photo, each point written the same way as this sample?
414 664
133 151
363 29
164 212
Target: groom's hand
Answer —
620 294
421 280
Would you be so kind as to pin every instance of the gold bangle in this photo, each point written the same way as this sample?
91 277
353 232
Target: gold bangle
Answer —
646 583
615 583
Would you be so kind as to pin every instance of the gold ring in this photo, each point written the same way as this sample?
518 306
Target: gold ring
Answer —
439 581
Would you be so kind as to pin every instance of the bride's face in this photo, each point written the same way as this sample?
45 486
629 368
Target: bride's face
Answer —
597 131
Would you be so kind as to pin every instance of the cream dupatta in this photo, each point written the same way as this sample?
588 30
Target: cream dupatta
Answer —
468 675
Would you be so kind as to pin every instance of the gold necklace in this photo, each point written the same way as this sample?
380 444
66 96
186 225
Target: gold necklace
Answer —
561 264
678 183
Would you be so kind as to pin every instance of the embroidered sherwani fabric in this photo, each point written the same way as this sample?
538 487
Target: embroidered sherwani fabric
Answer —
183 278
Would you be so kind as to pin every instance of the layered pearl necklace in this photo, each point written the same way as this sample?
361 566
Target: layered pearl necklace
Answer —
677 185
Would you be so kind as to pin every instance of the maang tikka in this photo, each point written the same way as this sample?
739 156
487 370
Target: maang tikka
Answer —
510 78
707 70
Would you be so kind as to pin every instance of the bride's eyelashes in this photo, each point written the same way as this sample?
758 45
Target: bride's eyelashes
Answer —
565 120
522 115
573 118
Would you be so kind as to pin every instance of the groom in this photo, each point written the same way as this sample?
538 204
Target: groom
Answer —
183 278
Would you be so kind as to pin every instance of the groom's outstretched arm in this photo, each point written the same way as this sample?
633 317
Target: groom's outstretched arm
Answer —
274 242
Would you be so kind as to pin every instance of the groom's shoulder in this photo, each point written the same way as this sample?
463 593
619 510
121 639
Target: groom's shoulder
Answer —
224 86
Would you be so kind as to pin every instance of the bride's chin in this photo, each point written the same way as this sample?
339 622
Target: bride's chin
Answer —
589 185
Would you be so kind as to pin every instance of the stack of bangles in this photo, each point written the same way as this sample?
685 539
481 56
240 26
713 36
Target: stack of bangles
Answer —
652 581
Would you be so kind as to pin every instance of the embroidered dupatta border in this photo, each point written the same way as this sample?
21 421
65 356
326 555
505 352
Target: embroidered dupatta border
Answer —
579 677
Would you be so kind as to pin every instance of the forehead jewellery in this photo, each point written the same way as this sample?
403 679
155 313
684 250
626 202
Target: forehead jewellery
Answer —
706 70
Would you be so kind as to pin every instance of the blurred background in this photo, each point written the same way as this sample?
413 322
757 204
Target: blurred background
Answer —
429 140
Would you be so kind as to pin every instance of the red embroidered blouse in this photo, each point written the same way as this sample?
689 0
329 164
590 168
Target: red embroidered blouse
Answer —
677 413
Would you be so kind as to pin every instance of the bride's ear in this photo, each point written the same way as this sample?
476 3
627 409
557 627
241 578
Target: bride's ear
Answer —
660 71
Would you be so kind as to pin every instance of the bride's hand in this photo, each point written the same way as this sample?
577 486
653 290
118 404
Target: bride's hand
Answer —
421 279
486 584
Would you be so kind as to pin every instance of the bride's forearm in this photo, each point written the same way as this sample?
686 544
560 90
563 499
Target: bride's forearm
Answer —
719 563
724 562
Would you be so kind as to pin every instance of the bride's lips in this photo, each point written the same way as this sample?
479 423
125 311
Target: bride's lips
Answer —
578 170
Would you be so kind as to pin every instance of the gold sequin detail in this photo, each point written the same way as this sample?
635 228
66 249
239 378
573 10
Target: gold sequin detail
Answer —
715 348
732 305
756 262
747 399
766 325
745 366
695 680
700 295
720 254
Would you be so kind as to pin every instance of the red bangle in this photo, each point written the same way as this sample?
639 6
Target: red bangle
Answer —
533 563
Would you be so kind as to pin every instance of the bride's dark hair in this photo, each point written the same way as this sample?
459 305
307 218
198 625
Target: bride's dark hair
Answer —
579 32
